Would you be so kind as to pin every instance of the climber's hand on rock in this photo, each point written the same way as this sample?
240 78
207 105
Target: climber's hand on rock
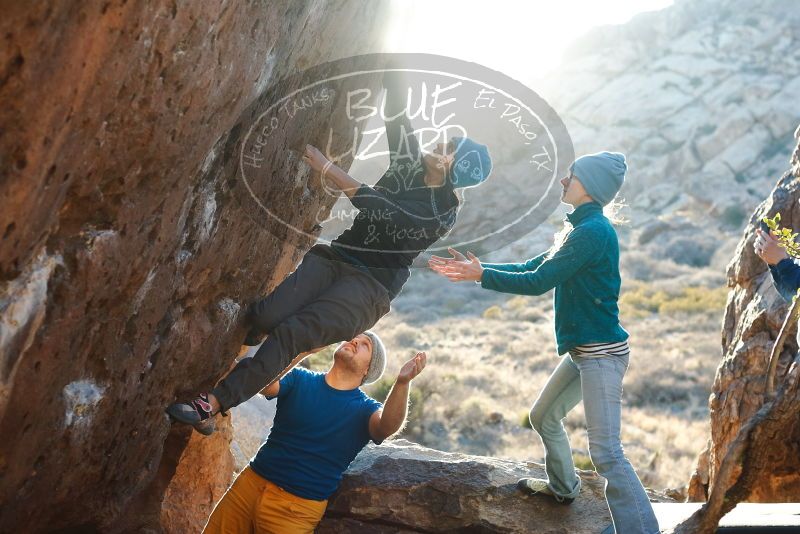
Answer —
315 159
767 248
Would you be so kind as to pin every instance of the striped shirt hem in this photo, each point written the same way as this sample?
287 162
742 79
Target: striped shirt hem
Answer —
598 350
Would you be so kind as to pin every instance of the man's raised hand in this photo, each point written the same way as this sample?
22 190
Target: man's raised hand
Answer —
412 368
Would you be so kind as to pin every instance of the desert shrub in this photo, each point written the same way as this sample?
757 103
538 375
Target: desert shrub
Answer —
641 301
641 265
416 411
688 251
473 409
380 390
532 315
582 461
405 335
733 216
696 300
322 360
454 305
644 300
493 312
416 401
523 308
518 303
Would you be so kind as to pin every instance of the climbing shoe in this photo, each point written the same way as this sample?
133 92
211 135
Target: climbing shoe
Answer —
206 426
538 486
196 413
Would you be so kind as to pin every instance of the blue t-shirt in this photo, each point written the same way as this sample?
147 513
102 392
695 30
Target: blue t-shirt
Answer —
318 431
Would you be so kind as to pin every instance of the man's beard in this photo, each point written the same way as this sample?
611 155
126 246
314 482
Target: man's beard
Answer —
346 362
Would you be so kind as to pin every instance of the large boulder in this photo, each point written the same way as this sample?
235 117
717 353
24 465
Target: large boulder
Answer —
753 317
404 487
127 252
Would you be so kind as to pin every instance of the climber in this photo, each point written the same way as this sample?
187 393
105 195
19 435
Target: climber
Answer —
342 289
583 267
322 421
785 272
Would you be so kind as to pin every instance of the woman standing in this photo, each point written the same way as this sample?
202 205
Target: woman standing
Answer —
583 267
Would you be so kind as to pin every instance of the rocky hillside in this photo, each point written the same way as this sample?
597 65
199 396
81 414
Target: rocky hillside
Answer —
127 251
702 97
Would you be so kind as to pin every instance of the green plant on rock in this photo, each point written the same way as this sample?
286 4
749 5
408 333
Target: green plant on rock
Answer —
786 238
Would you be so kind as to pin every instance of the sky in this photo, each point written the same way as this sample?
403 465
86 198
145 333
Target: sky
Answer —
521 38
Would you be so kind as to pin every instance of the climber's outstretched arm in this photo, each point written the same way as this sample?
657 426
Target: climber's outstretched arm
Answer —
332 176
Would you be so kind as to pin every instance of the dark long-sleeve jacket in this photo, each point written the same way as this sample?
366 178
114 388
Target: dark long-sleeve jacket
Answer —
400 216
786 277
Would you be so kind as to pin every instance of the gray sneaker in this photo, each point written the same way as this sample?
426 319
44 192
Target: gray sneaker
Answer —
539 486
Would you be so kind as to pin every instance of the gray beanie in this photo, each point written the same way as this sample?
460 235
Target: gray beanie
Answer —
378 362
601 174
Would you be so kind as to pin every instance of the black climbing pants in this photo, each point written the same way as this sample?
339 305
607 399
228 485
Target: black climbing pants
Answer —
324 301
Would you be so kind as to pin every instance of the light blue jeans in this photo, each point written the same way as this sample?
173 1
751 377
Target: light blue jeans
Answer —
598 381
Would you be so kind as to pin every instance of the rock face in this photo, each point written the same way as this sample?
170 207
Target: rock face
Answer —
198 481
404 487
752 320
126 257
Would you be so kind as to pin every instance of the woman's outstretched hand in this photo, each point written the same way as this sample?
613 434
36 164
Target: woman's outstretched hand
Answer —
459 268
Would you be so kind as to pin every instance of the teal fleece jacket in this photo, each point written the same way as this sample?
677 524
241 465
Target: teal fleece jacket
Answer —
585 274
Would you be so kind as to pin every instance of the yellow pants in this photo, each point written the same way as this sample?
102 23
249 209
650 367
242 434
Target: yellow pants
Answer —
254 505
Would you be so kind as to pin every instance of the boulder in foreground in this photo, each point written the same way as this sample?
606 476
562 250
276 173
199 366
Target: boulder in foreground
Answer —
403 487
